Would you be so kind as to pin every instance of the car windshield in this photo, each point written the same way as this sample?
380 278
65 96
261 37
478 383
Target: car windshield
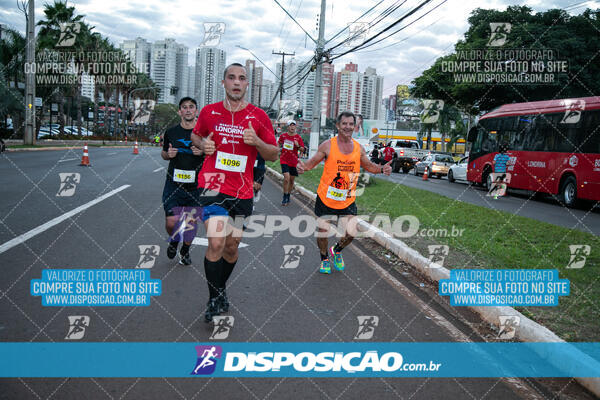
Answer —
444 159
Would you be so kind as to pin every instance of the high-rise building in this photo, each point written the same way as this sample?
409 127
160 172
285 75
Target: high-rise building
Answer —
267 93
163 69
87 86
371 94
139 52
181 73
328 88
348 90
191 87
294 80
210 66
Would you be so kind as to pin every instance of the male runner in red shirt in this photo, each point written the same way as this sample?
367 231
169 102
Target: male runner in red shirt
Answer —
289 143
231 133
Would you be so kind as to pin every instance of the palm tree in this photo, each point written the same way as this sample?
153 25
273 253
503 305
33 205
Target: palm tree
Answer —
49 35
12 62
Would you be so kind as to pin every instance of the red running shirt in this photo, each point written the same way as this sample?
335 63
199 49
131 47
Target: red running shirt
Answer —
233 160
290 145
388 153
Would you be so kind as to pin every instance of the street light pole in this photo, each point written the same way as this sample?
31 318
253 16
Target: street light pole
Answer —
315 126
30 77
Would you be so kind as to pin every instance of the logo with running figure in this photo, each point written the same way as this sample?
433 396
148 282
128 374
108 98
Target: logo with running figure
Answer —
573 111
148 255
499 33
357 33
431 111
508 326
579 254
212 33
187 224
366 326
437 254
68 34
362 181
223 325
292 255
207 359
77 326
143 109
212 183
68 183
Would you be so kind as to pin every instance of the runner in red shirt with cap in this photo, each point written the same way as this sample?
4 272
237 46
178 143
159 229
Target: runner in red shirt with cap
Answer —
231 133
290 144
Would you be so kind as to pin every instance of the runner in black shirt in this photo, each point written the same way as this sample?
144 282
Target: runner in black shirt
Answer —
181 185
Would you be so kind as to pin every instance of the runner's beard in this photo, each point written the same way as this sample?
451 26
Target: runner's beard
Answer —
235 97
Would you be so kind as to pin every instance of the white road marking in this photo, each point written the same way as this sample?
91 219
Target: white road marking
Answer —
68 159
158 169
204 242
36 231
110 154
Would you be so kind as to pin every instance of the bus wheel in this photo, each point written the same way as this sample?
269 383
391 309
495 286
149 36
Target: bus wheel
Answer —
486 179
568 192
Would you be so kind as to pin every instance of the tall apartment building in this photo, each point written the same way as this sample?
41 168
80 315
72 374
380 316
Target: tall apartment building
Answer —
267 93
163 69
139 52
357 92
372 92
181 73
210 65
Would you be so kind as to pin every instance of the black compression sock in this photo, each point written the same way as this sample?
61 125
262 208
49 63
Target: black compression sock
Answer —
212 270
185 248
227 269
337 248
324 257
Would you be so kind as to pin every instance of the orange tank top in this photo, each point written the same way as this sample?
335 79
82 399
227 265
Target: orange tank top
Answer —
338 183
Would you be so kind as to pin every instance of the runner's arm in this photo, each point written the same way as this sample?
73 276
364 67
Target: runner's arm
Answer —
371 167
319 156
267 151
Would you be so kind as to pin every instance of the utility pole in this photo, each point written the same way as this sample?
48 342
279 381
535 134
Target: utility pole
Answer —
282 54
315 126
29 137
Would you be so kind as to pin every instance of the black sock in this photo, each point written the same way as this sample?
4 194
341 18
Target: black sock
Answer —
212 269
185 248
324 257
174 243
337 248
226 270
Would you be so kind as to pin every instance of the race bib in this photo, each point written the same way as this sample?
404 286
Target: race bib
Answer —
288 145
231 162
336 194
184 176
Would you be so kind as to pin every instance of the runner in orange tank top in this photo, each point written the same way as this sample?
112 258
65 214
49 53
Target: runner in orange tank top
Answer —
344 157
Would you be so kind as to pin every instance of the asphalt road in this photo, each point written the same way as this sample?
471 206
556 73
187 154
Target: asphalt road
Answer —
269 303
517 202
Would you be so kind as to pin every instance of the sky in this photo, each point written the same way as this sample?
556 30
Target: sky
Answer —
263 27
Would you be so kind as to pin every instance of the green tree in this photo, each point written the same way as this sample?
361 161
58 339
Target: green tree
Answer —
572 37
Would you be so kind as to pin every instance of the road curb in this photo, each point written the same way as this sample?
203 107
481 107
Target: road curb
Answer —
529 330
11 150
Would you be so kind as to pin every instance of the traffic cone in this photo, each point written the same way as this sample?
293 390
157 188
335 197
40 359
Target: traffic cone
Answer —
85 160
426 174
135 148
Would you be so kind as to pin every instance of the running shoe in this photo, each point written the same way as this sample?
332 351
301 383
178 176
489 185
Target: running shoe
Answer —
172 250
185 259
338 261
212 309
223 301
325 267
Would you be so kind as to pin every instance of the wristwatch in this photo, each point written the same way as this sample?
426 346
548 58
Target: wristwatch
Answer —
381 170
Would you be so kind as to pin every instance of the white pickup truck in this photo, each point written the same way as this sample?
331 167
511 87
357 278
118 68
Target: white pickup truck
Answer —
408 152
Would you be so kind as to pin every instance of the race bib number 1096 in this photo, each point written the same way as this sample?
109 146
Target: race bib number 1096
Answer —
231 162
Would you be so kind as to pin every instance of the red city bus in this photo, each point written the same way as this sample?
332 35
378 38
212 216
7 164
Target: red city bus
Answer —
554 147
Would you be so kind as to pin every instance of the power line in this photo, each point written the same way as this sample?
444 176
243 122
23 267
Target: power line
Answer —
414 10
294 19
356 20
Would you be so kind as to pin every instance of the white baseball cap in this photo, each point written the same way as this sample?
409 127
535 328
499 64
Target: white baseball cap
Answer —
291 121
